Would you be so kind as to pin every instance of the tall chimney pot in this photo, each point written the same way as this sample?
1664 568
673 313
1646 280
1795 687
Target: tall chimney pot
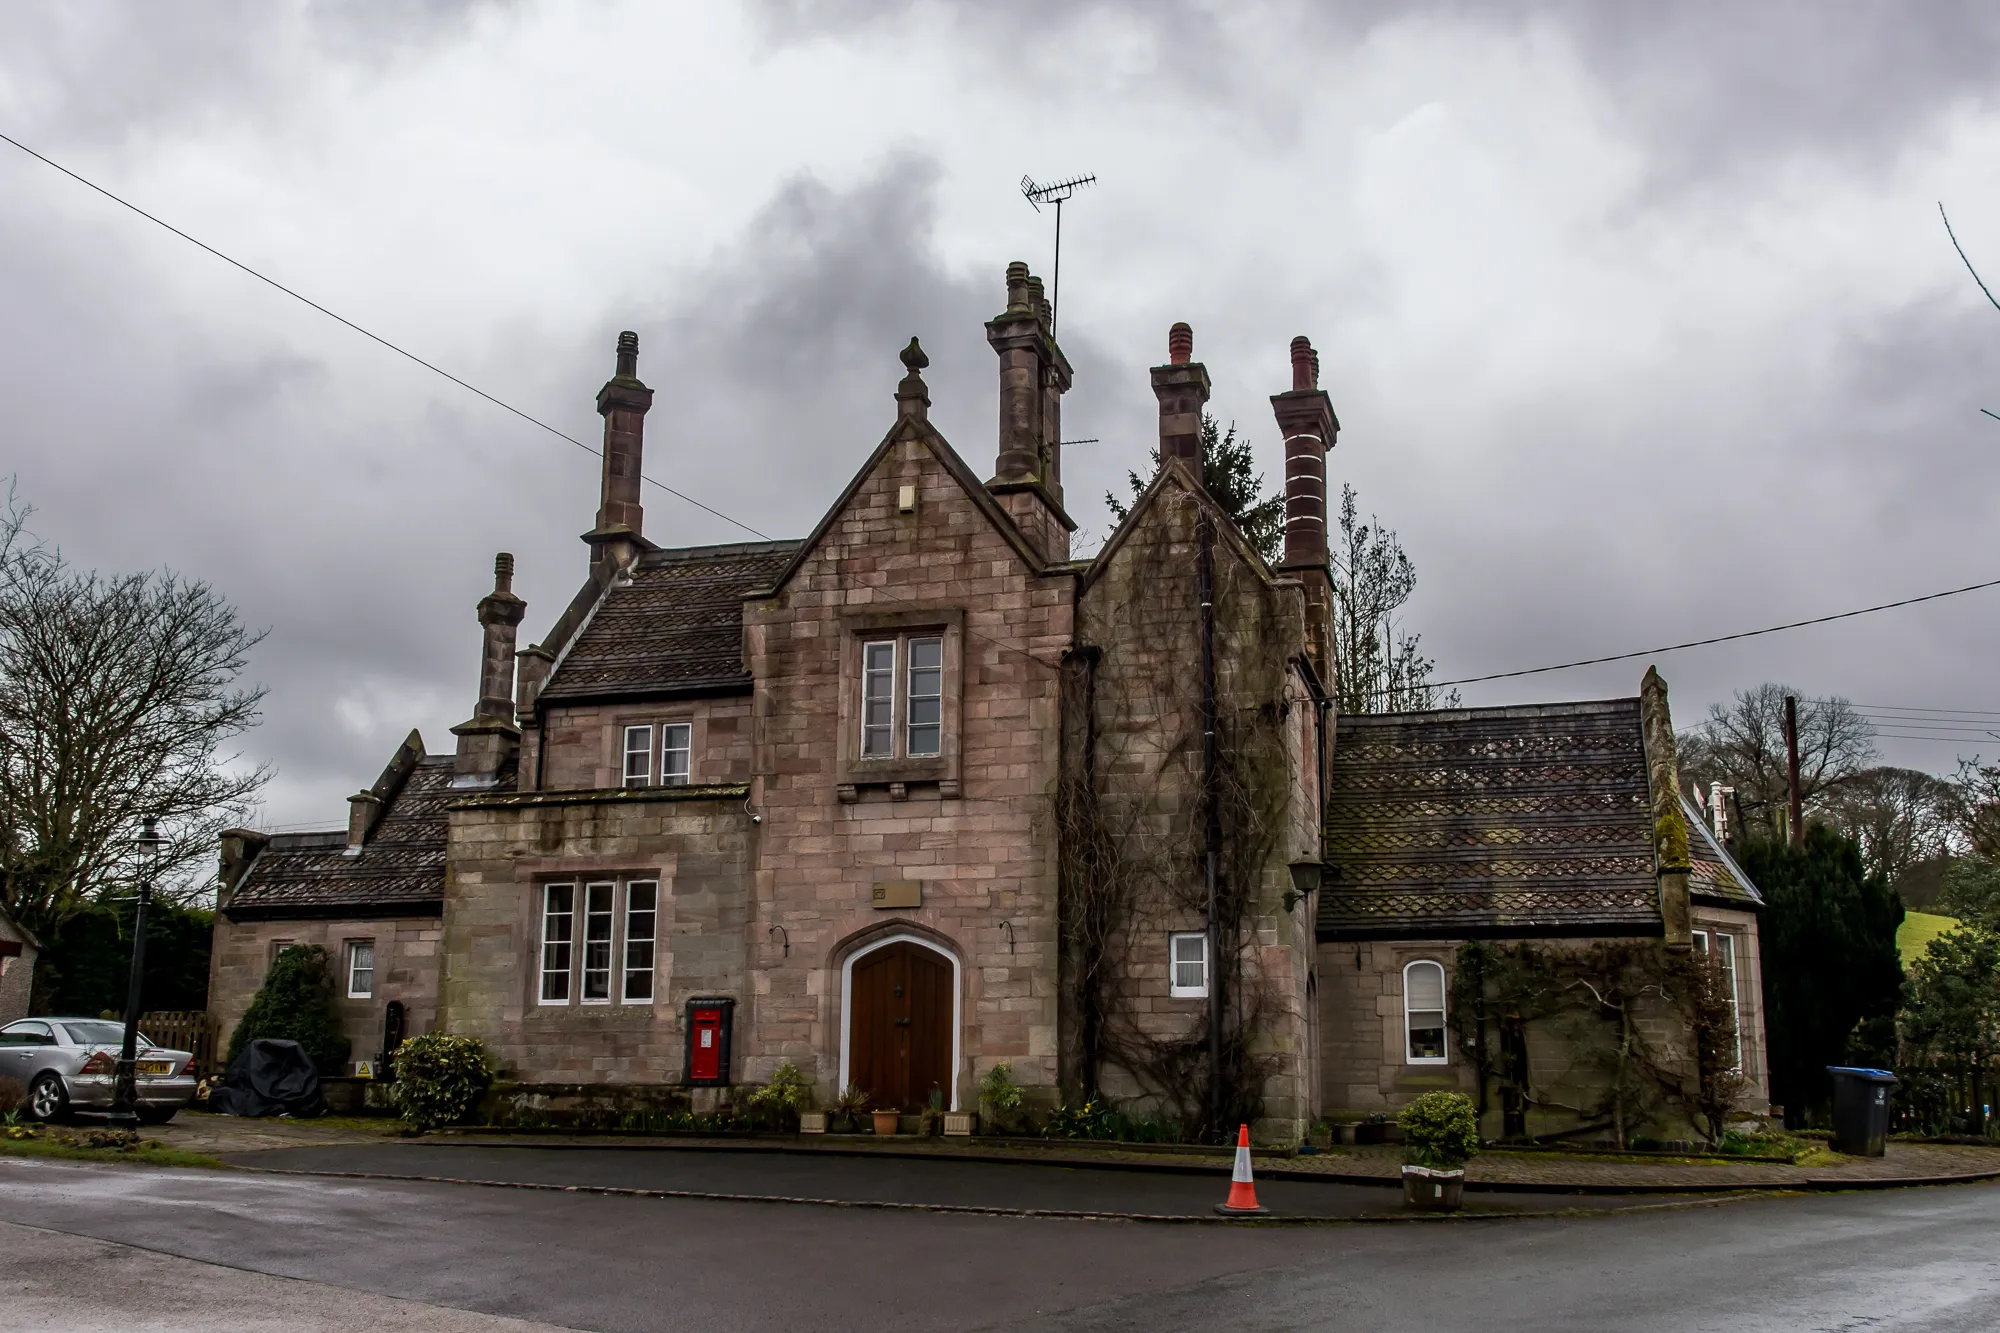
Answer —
1182 388
1305 416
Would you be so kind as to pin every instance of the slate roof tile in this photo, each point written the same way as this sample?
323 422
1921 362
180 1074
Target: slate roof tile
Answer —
676 624
1496 822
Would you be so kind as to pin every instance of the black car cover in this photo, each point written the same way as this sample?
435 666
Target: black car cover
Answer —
269 1078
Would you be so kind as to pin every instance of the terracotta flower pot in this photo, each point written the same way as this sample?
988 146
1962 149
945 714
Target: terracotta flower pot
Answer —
885 1121
1441 1191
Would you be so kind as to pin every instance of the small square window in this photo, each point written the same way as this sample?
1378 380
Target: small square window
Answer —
1188 955
638 756
360 969
676 749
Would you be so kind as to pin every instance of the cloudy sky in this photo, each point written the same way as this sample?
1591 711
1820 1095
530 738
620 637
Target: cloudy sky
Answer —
1640 320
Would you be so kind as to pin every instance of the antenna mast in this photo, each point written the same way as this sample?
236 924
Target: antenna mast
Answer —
1056 193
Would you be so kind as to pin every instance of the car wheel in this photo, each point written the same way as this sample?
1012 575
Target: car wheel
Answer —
48 1100
157 1115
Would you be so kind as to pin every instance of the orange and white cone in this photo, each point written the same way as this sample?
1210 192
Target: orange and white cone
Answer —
1242 1188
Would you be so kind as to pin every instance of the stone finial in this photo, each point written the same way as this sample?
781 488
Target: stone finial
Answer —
1670 831
628 355
913 396
1305 364
503 572
1180 345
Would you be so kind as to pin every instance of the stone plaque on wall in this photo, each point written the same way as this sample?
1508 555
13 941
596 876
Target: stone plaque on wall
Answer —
899 893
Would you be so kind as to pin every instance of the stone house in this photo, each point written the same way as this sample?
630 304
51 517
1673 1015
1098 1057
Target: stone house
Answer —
912 797
18 952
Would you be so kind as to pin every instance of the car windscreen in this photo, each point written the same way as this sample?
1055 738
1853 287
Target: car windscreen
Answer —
93 1032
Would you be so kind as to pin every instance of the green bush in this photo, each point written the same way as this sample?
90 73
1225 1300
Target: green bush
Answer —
295 1003
1001 1096
439 1078
1440 1130
780 1101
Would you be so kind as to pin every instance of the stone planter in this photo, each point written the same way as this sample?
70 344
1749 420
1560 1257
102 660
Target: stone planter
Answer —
1440 1191
885 1121
812 1122
960 1124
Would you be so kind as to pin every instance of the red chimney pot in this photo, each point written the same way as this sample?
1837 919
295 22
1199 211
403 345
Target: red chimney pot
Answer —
1180 345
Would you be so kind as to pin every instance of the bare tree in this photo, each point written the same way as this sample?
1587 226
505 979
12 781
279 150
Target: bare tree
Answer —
118 695
1381 669
1900 818
1742 745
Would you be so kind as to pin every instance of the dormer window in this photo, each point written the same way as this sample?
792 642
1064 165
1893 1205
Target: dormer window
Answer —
638 756
676 755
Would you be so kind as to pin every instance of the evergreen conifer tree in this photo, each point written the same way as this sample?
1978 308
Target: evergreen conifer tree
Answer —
295 1003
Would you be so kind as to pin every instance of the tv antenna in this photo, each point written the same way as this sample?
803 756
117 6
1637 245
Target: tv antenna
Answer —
1057 193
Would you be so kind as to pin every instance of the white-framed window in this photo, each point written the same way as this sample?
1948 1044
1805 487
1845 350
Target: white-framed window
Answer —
558 941
878 699
1725 963
1187 958
1423 1012
676 753
639 756
642 918
277 947
360 969
597 922
925 708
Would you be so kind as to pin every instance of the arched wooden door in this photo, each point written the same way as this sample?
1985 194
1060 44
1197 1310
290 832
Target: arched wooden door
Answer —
899 1026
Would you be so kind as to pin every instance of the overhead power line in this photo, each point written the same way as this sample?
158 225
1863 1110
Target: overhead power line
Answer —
366 333
1721 638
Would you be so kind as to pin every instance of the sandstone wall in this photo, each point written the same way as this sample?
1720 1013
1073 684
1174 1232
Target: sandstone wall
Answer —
406 968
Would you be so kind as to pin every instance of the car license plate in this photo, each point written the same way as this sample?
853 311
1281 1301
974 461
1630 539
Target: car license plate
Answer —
156 1068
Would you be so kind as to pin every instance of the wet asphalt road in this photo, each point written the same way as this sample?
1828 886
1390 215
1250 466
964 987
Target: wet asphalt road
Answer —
1905 1260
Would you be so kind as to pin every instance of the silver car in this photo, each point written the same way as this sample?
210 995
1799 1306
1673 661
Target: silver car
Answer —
69 1064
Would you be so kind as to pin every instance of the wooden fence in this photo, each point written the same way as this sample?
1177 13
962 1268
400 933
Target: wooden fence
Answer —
186 1030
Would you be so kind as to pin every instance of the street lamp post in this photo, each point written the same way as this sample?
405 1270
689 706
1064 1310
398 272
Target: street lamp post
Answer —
125 1089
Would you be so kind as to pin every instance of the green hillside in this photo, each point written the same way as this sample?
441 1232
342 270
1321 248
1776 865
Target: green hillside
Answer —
1917 931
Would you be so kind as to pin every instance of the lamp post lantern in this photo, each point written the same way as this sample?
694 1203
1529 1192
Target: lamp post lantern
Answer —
125 1090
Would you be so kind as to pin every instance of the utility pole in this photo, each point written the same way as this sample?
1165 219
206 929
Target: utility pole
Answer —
1797 806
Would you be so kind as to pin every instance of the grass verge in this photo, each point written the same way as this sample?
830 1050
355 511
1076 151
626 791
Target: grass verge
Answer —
143 1156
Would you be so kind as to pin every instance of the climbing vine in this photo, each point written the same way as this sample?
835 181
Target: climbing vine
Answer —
1643 1029
1132 810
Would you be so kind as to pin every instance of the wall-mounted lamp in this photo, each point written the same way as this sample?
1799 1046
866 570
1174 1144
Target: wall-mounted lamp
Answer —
1306 878
780 930
1008 926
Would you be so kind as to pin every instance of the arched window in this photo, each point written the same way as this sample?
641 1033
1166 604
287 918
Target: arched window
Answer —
1423 1012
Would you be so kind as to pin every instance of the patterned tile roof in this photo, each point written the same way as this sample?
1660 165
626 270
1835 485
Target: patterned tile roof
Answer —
1714 875
1490 821
400 871
676 625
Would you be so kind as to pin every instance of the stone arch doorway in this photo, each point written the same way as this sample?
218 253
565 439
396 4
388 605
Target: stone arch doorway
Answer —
902 1024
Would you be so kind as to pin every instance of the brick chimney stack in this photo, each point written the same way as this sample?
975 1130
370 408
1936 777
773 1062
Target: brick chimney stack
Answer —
623 402
491 737
1305 416
1034 375
1182 388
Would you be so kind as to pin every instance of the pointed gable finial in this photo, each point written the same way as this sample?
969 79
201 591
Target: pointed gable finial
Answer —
913 396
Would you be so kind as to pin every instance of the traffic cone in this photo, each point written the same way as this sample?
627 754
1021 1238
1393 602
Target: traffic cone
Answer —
1242 1189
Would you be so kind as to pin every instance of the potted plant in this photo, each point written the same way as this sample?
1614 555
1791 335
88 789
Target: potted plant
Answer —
848 1109
933 1113
886 1119
1440 1133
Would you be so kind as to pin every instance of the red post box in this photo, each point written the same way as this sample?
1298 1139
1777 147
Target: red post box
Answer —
708 1041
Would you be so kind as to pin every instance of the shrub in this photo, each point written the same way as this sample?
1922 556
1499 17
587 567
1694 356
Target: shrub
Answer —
295 1003
1000 1095
439 1077
1440 1130
780 1101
